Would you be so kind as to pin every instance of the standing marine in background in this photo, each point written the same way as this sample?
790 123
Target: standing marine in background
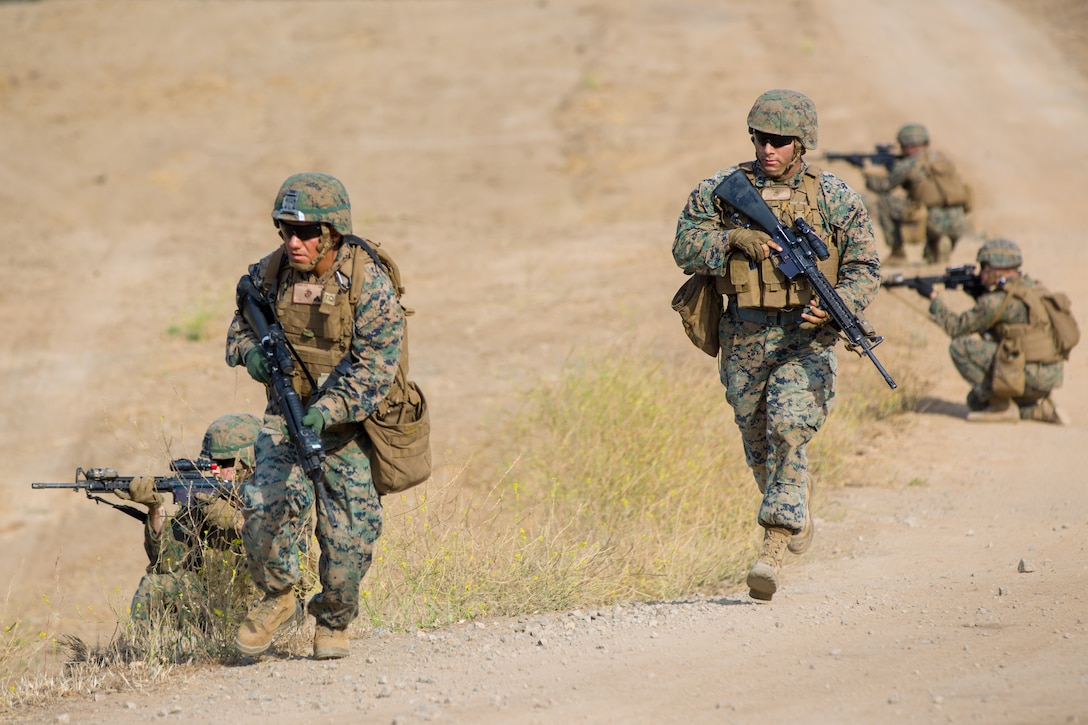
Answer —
341 316
1005 345
778 361
934 210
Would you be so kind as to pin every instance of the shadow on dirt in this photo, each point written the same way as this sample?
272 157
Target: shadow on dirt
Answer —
936 406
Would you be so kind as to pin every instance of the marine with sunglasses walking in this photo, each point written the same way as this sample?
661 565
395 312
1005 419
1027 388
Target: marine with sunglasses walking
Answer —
777 359
345 324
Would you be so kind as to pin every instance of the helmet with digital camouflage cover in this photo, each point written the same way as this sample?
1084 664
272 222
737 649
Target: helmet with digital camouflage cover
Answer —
913 134
312 197
783 112
231 437
1000 253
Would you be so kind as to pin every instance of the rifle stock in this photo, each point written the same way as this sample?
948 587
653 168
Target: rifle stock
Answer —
798 257
273 344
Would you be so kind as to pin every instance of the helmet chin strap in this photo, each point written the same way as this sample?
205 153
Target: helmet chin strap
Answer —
322 249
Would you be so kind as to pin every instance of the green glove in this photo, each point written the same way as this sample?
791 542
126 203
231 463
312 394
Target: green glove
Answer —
258 366
748 241
142 490
314 419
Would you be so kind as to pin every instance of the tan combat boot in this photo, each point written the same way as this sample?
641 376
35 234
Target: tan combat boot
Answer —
800 541
273 615
763 576
330 644
1001 410
1046 412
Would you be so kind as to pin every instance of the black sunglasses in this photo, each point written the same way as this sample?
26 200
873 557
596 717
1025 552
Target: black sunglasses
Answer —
762 139
302 231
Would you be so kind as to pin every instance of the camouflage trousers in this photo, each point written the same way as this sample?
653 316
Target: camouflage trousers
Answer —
973 357
192 598
278 500
905 222
780 382
902 221
176 593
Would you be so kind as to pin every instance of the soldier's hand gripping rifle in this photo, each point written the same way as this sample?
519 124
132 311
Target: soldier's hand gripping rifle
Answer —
883 156
798 257
274 346
191 478
963 277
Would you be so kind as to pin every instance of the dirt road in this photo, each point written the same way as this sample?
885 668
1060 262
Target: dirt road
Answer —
527 160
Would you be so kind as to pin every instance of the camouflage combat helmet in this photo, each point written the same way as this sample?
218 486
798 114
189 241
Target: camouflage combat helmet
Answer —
785 113
913 134
1000 253
313 197
232 436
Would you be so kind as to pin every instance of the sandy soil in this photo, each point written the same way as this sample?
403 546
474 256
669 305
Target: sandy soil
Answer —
526 162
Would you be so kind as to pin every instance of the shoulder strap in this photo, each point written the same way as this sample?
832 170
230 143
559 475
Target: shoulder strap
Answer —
271 281
384 262
1011 290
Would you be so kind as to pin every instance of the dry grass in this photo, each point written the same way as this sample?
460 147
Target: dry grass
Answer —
623 479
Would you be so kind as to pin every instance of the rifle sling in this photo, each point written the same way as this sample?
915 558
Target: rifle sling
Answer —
131 511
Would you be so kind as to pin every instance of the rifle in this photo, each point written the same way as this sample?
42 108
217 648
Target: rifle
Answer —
190 479
797 258
954 277
260 315
884 156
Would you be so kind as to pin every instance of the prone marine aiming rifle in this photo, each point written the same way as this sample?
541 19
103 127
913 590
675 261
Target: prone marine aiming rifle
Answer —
798 258
883 156
963 277
260 315
190 478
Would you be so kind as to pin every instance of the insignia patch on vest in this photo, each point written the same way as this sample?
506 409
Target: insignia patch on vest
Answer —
307 294
776 193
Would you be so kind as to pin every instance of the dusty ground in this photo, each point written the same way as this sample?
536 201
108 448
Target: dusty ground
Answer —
526 162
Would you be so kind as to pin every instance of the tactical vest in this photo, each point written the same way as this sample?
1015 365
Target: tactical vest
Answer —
318 318
1035 338
935 182
760 284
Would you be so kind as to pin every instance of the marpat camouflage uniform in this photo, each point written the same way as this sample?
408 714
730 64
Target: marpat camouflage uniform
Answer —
780 380
279 497
179 572
893 210
973 354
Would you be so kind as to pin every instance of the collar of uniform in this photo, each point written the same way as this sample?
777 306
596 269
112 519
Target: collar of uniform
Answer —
762 180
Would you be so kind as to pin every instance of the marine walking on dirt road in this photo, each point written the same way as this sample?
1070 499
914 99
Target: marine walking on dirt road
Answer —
777 358
933 210
340 315
1012 344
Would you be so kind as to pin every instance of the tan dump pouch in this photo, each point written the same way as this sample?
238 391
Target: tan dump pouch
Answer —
912 229
700 308
400 434
1008 369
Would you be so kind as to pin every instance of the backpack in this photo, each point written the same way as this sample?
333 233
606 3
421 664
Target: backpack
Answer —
1048 339
941 183
1066 331
400 427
